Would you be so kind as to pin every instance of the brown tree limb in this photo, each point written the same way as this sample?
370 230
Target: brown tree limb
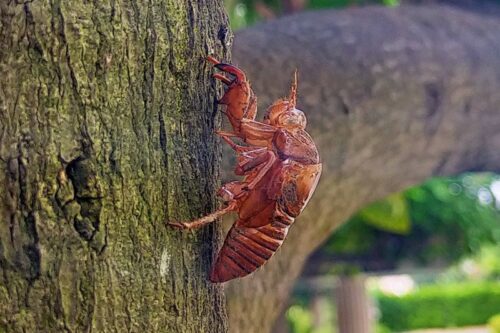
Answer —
393 97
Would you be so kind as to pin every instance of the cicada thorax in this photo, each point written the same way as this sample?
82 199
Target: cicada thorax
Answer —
264 219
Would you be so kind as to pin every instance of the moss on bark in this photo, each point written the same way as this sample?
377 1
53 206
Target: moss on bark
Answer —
106 131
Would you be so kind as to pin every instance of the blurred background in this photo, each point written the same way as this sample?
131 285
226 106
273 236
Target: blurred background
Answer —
426 258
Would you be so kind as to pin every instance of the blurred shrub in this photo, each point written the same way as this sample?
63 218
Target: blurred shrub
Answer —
494 323
483 265
439 222
461 214
299 319
447 305
391 214
380 328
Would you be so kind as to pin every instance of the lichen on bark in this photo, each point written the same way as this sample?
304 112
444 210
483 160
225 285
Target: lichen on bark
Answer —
106 132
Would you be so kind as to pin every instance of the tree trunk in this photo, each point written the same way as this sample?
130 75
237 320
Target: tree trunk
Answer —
106 132
354 314
393 96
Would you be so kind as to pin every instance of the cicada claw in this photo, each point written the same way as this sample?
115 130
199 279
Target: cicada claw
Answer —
222 78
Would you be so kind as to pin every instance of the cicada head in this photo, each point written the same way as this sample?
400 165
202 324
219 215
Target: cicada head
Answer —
283 113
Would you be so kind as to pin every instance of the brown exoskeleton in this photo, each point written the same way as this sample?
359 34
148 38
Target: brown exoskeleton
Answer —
280 166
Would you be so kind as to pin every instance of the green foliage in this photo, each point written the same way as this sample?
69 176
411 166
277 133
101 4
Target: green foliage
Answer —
390 214
324 4
391 3
494 323
380 328
442 220
299 319
488 260
353 237
458 209
243 13
483 265
445 305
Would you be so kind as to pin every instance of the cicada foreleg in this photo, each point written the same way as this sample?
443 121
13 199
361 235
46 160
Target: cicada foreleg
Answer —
239 98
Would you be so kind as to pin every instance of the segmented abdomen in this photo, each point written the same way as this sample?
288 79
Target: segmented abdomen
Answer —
251 242
247 248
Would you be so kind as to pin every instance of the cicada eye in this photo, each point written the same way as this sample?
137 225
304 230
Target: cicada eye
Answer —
293 119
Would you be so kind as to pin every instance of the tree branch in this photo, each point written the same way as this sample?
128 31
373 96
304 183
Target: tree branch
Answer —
392 96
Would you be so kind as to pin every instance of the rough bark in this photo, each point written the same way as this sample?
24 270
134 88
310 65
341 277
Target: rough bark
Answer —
393 97
106 131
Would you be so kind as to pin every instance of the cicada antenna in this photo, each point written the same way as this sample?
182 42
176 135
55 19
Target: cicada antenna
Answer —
293 90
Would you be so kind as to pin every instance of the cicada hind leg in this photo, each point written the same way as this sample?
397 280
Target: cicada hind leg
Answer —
232 194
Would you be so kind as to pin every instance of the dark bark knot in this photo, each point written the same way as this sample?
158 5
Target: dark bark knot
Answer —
88 198
343 105
433 101
222 34
225 37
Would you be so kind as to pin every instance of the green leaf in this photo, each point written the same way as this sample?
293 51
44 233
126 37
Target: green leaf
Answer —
389 215
391 3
